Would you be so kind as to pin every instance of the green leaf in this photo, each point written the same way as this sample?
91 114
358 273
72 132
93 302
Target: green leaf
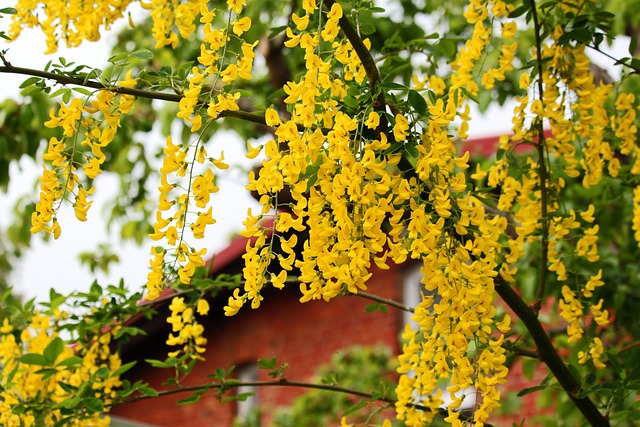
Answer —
53 350
371 308
417 102
392 86
531 390
102 373
82 91
70 361
124 368
267 363
117 58
9 10
190 399
519 11
69 403
143 54
148 391
46 373
93 404
34 359
29 82
356 407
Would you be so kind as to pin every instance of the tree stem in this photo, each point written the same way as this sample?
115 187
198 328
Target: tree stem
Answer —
369 64
549 355
542 171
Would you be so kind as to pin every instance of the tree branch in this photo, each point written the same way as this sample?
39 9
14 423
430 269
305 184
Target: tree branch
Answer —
203 388
542 171
549 355
381 300
373 75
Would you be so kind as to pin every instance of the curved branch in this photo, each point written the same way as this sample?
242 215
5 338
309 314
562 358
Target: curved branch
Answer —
369 64
549 355
203 388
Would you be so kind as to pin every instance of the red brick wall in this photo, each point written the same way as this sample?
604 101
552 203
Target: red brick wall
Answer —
303 335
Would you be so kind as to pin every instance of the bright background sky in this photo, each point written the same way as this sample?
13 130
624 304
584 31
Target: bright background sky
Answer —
55 263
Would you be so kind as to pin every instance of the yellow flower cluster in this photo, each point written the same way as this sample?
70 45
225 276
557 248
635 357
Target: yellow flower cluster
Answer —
95 134
210 69
172 215
567 82
21 381
356 186
507 55
67 20
169 16
189 331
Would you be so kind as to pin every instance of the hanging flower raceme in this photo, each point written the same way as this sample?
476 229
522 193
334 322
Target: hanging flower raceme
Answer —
67 21
94 123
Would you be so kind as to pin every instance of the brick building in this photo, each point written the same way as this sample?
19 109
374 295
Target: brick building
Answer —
305 336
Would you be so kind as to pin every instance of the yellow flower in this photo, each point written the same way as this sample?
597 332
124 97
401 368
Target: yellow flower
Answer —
373 121
400 128
241 25
236 5
300 22
202 307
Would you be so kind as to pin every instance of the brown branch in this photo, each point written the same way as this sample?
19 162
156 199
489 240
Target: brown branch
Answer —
549 355
542 171
280 383
4 60
203 388
381 300
369 64
629 347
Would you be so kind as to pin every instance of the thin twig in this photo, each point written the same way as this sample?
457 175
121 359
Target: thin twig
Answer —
203 388
4 60
381 300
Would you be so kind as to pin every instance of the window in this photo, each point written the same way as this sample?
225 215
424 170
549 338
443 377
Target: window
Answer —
247 373
411 291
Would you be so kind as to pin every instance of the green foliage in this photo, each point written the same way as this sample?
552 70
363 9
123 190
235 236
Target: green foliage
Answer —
359 368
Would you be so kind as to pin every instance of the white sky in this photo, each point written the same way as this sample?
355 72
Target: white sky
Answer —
54 264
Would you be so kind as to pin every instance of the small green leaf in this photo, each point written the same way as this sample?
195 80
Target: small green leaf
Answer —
34 359
9 10
69 403
143 54
148 391
371 308
117 58
82 91
29 82
356 407
70 361
519 11
267 363
53 350
102 373
190 399
124 368
417 102
46 373
93 404
531 390
392 86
